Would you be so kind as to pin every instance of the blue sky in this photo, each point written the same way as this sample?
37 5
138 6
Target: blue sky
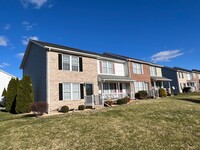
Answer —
166 32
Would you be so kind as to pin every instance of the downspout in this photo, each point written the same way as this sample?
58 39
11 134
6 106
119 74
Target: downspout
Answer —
48 81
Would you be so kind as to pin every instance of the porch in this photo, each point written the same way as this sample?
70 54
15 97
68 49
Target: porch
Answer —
115 87
161 82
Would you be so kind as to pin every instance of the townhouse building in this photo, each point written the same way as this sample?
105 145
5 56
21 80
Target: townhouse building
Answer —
196 78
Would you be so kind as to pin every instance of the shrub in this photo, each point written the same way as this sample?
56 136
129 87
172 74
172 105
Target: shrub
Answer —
108 102
81 107
122 101
141 95
25 96
187 89
39 107
64 109
162 92
127 99
11 95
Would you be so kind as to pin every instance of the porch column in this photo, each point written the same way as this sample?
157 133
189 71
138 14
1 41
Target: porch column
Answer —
169 87
162 84
154 82
102 89
118 84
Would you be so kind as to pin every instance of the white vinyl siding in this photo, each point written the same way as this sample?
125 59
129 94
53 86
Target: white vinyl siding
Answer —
137 68
70 63
71 91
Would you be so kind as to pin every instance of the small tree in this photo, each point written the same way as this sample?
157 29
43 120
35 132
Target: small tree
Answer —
25 96
11 95
4 92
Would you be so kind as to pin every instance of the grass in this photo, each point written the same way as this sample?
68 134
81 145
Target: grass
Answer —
167 123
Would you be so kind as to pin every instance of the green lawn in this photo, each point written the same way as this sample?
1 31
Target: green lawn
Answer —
167 123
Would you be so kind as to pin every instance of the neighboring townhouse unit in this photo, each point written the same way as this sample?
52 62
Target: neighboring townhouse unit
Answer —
196 78
158 80
113 78
4 80
185 79
146 76
172 74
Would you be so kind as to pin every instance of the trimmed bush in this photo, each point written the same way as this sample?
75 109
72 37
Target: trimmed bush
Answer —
39 107
122 101
64 109
25 96
162 92
141 95
11 95
127 99
81 107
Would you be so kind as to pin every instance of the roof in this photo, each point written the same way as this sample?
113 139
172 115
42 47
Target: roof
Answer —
130 58
7 73
194 70
156 78
61 48
182 69
114 78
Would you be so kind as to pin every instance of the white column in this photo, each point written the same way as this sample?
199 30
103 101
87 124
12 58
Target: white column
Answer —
162 84
169 87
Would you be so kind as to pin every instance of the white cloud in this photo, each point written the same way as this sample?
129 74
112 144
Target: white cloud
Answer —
3 65
28 26
3 41
25 39
166 55
20 55
7 27
37 4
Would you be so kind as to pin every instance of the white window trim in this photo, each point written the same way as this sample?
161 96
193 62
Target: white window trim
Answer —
139 68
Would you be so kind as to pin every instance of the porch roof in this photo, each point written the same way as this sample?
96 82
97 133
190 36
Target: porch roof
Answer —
155 78
114 78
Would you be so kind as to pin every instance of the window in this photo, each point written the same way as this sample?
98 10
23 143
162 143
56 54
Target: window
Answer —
179 74
76 91
71 91
107 67
74 63
67 91
139 86
137 68
70 63
66 62
153 71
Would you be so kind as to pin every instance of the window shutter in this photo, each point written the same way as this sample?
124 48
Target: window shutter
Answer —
80 64
82 91
60 61
113 68
142 68
100 62
60 91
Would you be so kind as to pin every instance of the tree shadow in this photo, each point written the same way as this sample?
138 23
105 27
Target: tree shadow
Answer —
190 100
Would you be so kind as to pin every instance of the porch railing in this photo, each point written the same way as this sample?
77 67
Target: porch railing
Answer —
153 93
93 100
107 96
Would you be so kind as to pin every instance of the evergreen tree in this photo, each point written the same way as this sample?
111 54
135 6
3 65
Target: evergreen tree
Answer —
11 95
4 92
25 96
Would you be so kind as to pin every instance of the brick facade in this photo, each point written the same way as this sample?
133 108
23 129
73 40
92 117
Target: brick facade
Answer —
56 76
145 77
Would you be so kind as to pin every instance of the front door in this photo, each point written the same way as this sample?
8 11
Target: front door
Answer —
89 89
